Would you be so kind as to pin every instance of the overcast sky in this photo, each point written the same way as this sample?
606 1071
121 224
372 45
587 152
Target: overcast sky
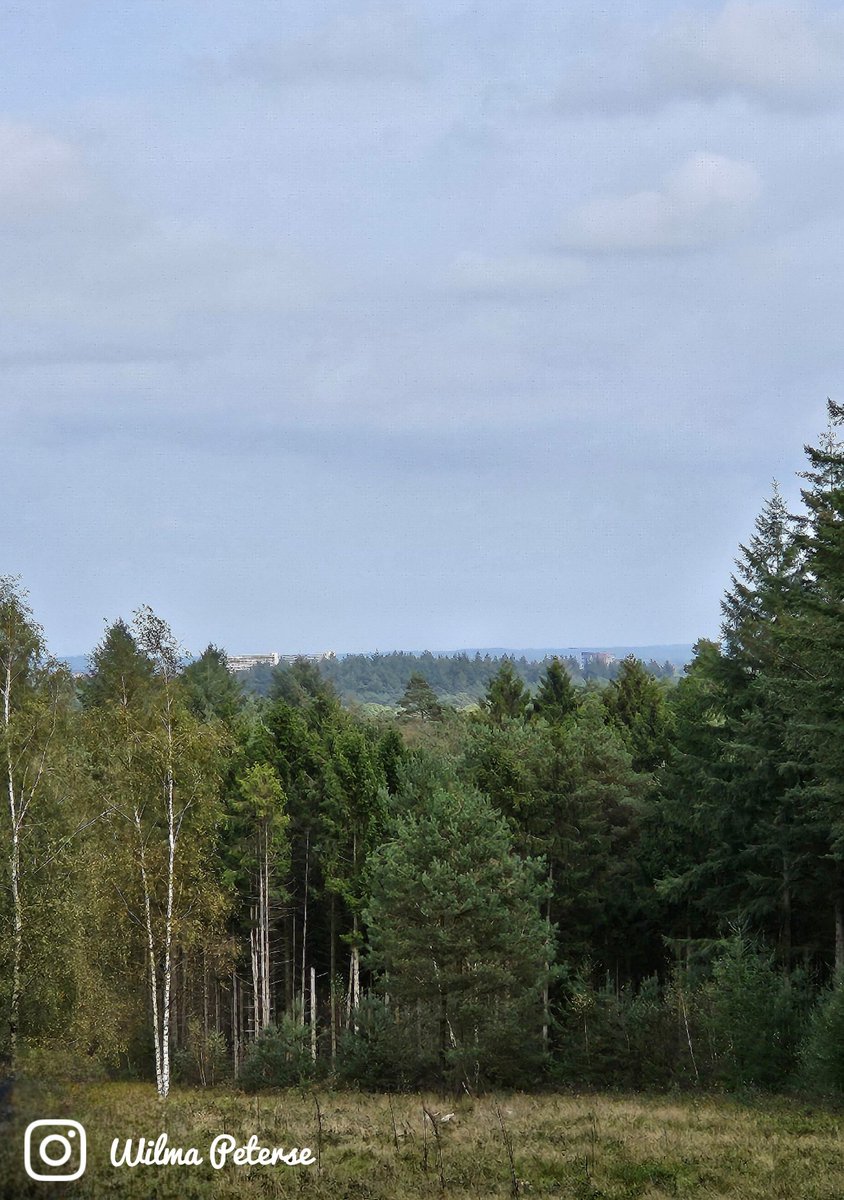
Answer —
338 325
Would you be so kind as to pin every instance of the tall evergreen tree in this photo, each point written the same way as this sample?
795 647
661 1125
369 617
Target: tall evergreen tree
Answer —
506 696
636 705
210 688
556 696
812 640
455 926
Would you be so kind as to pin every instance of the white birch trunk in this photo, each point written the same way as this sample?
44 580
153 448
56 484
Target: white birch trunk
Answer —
313 1014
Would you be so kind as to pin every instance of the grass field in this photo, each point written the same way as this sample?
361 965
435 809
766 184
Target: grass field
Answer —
374 1147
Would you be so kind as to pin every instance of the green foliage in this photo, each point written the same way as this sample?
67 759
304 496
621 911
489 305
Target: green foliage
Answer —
204 1057
822 1051
420 700
752 1016
636 705
211 690
506 696
389 1049
556 696
628 1037
454 925
280 1056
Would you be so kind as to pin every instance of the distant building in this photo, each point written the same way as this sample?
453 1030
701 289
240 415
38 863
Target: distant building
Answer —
596 658
245 662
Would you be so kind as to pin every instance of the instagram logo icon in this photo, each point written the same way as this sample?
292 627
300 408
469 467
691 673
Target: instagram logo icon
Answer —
54 1150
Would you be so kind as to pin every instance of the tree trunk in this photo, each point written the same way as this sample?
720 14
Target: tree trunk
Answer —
153 969
546 999
256 976
168 930
332 970
15 872
313 1014
235 1030
265 934
305 923
786 914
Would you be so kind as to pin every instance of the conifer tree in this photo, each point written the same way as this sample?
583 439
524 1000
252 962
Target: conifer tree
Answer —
506 696
211 690
812 641
420 700
455 925
636 705
556 696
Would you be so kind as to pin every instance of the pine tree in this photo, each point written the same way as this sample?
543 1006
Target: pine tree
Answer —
420 700
455 927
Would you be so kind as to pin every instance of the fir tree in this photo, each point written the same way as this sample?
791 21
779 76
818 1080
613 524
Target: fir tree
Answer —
556 696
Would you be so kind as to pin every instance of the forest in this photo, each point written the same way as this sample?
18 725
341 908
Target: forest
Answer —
460 680
631 882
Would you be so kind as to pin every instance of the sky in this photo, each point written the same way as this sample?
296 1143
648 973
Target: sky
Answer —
353 326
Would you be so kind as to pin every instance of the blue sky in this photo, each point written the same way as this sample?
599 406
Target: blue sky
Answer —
423 325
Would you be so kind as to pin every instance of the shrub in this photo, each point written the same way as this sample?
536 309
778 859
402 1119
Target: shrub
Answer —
205 1057
279 1057
751 1017
822 1052
388 1052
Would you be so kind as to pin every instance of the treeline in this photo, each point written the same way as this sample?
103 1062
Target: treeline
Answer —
460 680
638 883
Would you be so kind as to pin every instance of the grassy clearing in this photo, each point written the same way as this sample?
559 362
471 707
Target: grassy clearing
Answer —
376 1147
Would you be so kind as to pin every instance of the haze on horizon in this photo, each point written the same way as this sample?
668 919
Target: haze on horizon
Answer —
403 325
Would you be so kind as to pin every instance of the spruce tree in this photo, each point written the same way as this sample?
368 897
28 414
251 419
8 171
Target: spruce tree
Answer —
636 705
506 696
556 696
814 646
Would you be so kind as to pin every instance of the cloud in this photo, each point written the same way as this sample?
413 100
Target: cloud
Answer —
778 55
379 43
39 173
90 280
781 57
706 199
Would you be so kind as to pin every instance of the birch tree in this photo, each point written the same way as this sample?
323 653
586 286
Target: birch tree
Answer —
159 769
34 691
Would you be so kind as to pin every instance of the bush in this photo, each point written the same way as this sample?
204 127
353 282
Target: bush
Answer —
51 1060
822 1052
614 1039
751 1016
388 1053
205 1057
279 1057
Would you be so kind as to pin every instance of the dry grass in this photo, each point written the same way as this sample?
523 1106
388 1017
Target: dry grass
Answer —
376 1147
